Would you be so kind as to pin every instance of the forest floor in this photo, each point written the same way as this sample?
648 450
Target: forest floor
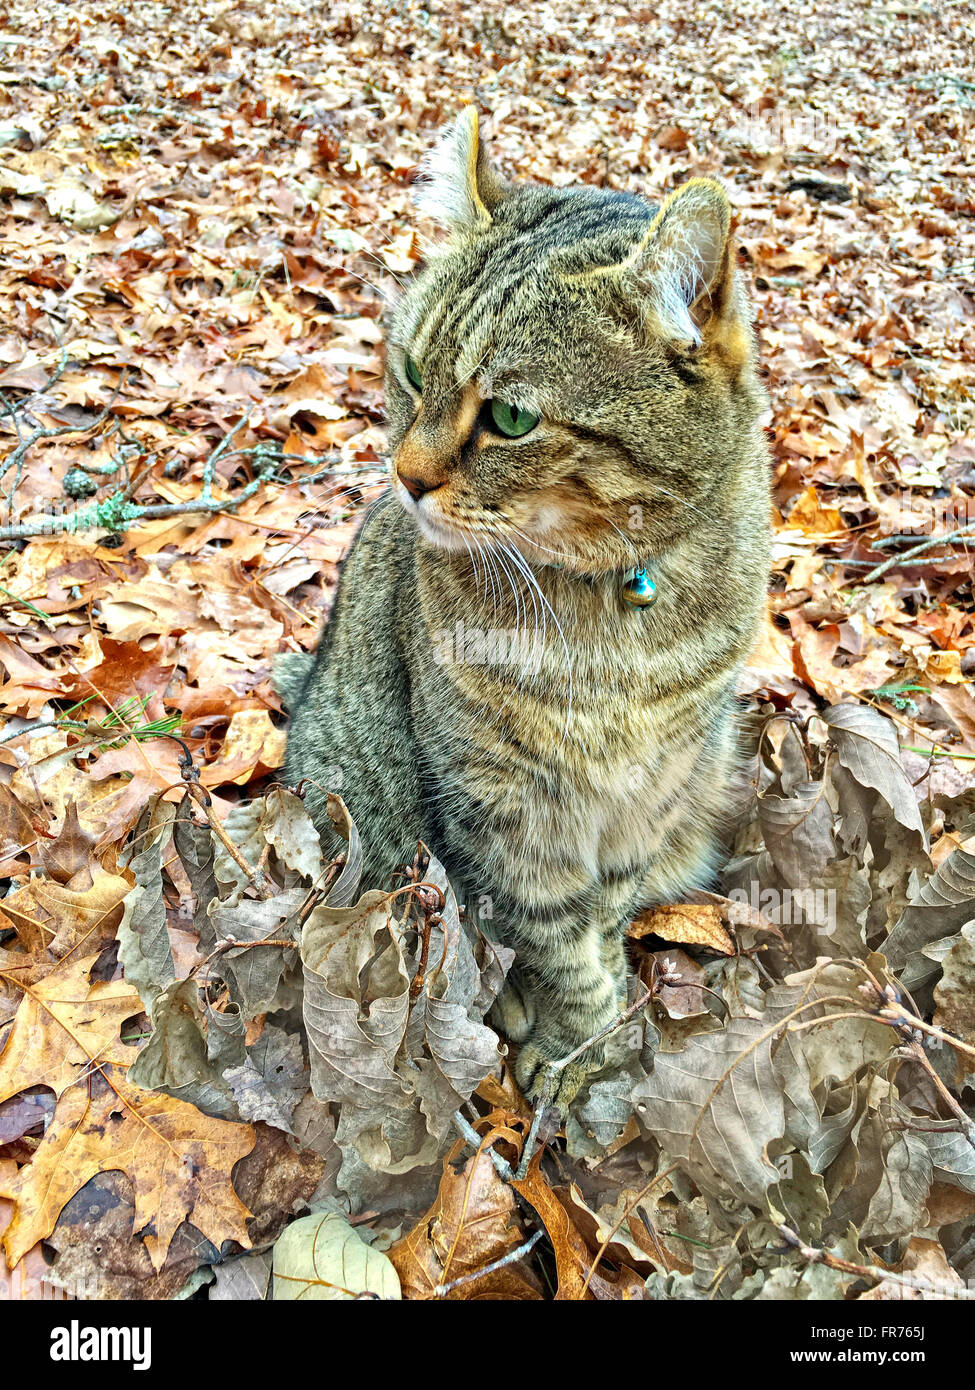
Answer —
204 211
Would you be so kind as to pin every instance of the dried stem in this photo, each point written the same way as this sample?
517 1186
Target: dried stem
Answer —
513 1256
814 1256
917 550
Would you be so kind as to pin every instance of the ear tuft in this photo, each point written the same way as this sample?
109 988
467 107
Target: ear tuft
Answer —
686 259
456 186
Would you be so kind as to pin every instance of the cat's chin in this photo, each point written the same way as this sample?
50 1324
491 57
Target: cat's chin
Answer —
438 533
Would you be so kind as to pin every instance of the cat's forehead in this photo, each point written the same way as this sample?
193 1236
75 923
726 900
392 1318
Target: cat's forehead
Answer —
484 309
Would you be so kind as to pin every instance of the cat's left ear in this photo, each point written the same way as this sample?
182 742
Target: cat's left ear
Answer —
457 186
686 262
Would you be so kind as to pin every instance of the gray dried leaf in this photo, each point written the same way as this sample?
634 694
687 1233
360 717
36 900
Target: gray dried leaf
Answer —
832 1133
951 1148
271 1080
716 1106
288 828
398 1066
194 845
938 907
245 1278
176 1058
253 973
144 952
354 1038
798 832
866 745
906 1172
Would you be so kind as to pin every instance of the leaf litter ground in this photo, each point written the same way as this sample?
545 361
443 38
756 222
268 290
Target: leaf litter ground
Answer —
206 1030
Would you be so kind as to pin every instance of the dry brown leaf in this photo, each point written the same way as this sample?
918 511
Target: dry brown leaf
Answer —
179 1161
27 1278
925 1261
473 1222
692 924
62 918
64 1022
251 741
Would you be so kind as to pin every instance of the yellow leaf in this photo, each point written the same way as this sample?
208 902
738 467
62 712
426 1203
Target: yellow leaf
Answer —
692 924
64 1022
179 1161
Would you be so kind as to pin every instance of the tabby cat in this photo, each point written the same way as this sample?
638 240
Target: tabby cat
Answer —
574 422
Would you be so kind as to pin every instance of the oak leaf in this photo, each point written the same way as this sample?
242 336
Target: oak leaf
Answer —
64 1022
473 1222
179 1161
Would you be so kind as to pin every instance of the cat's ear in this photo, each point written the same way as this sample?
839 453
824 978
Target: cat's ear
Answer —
685 264
457 186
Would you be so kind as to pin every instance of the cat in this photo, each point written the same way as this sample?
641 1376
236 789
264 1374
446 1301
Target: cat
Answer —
574 425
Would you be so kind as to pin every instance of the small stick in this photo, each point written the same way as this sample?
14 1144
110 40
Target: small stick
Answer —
513 1256
917 550
468 1132
910 1281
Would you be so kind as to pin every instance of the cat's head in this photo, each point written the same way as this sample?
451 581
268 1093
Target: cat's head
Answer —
573 368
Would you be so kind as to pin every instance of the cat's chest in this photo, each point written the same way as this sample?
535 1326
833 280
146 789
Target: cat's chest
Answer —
579 780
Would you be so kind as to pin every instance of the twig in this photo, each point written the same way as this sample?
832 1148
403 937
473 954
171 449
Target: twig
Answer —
814 1256
915 1052
118 512
202 799
30 729
210 464
468 1132
513 1256
917 550
17 457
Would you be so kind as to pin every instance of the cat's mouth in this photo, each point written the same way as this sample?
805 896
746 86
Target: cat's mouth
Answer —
428 515
542 533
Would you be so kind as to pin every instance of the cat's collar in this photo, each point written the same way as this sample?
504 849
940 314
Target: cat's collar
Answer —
637 589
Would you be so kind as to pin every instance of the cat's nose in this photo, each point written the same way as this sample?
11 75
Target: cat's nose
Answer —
416 487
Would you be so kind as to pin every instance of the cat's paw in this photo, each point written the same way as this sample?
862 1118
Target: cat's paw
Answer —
531 1073
513 1012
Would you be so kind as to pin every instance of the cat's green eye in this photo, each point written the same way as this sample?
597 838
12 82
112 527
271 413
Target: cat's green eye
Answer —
510 420
413 374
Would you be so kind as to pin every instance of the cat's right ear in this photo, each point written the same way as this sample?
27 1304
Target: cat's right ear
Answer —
457 186
685 263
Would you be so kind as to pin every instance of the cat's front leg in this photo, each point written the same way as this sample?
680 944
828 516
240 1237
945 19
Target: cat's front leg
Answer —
573 981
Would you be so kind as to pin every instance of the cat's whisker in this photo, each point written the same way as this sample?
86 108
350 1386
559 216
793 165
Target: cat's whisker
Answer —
318 486
562 554
489 565
372 256
623 537
474 570
684 502
386 298
514 592
344 499
376 225
526 569
519 561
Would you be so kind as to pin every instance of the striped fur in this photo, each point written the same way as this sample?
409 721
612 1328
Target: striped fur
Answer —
587 776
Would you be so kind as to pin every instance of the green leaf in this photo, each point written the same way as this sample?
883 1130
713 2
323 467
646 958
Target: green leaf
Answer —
322 1257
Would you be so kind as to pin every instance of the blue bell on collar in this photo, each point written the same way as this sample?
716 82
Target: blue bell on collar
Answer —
639 590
